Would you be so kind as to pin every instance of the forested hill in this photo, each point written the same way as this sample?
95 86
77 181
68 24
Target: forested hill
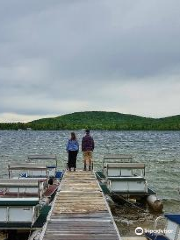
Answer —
100 121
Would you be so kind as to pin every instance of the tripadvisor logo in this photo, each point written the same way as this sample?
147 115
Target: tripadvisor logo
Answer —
139 231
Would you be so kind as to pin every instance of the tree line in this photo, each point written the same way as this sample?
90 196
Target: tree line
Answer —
97 121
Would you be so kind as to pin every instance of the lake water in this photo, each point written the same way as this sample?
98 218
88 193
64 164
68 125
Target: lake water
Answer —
160 151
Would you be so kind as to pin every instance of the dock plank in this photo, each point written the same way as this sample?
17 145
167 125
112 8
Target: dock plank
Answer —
80 211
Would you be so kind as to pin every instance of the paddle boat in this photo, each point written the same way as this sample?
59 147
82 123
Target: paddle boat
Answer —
126 179
25 198
36 166
22 206
39 172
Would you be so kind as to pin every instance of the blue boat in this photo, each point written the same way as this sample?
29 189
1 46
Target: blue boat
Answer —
171 230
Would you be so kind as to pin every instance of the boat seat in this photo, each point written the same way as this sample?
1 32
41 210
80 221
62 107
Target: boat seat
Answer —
22 195
37 176
153 236
2 192
59 175
51 166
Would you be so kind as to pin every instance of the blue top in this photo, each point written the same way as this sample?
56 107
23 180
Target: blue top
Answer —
72 145
173 217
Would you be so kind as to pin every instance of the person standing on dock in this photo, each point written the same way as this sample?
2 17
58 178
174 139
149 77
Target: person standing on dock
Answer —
87 148
72 149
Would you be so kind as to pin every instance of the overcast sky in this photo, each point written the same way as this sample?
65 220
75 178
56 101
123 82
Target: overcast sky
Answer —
63 56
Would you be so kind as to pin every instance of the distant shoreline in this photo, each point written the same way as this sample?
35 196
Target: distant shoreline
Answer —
98 120
108 130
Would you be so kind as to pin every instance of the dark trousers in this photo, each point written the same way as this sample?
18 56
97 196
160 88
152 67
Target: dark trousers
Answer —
72 159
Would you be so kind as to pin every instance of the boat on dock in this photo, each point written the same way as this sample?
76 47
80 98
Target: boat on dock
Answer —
18 213
26 197
36 166
22 188
123 179
22 202
40 170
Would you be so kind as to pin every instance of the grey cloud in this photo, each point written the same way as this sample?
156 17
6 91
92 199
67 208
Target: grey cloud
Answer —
86 38
56 52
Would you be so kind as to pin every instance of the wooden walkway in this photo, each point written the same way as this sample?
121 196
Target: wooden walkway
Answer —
80 211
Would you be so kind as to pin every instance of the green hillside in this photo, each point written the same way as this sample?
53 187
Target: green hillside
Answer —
91 120
100 121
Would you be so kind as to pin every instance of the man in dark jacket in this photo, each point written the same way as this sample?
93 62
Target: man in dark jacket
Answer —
87 148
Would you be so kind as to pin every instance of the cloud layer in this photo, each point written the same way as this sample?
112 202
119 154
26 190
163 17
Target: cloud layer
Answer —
63 56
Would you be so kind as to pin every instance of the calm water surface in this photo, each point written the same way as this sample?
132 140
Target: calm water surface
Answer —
160 151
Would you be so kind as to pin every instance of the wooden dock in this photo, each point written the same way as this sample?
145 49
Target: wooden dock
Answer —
80 211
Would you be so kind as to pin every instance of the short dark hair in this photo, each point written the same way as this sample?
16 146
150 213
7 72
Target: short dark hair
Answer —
87 131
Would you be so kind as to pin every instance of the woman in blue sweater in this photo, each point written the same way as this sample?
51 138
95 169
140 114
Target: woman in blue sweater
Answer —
72 149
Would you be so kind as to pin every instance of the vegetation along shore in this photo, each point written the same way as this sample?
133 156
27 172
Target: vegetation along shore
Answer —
97 120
